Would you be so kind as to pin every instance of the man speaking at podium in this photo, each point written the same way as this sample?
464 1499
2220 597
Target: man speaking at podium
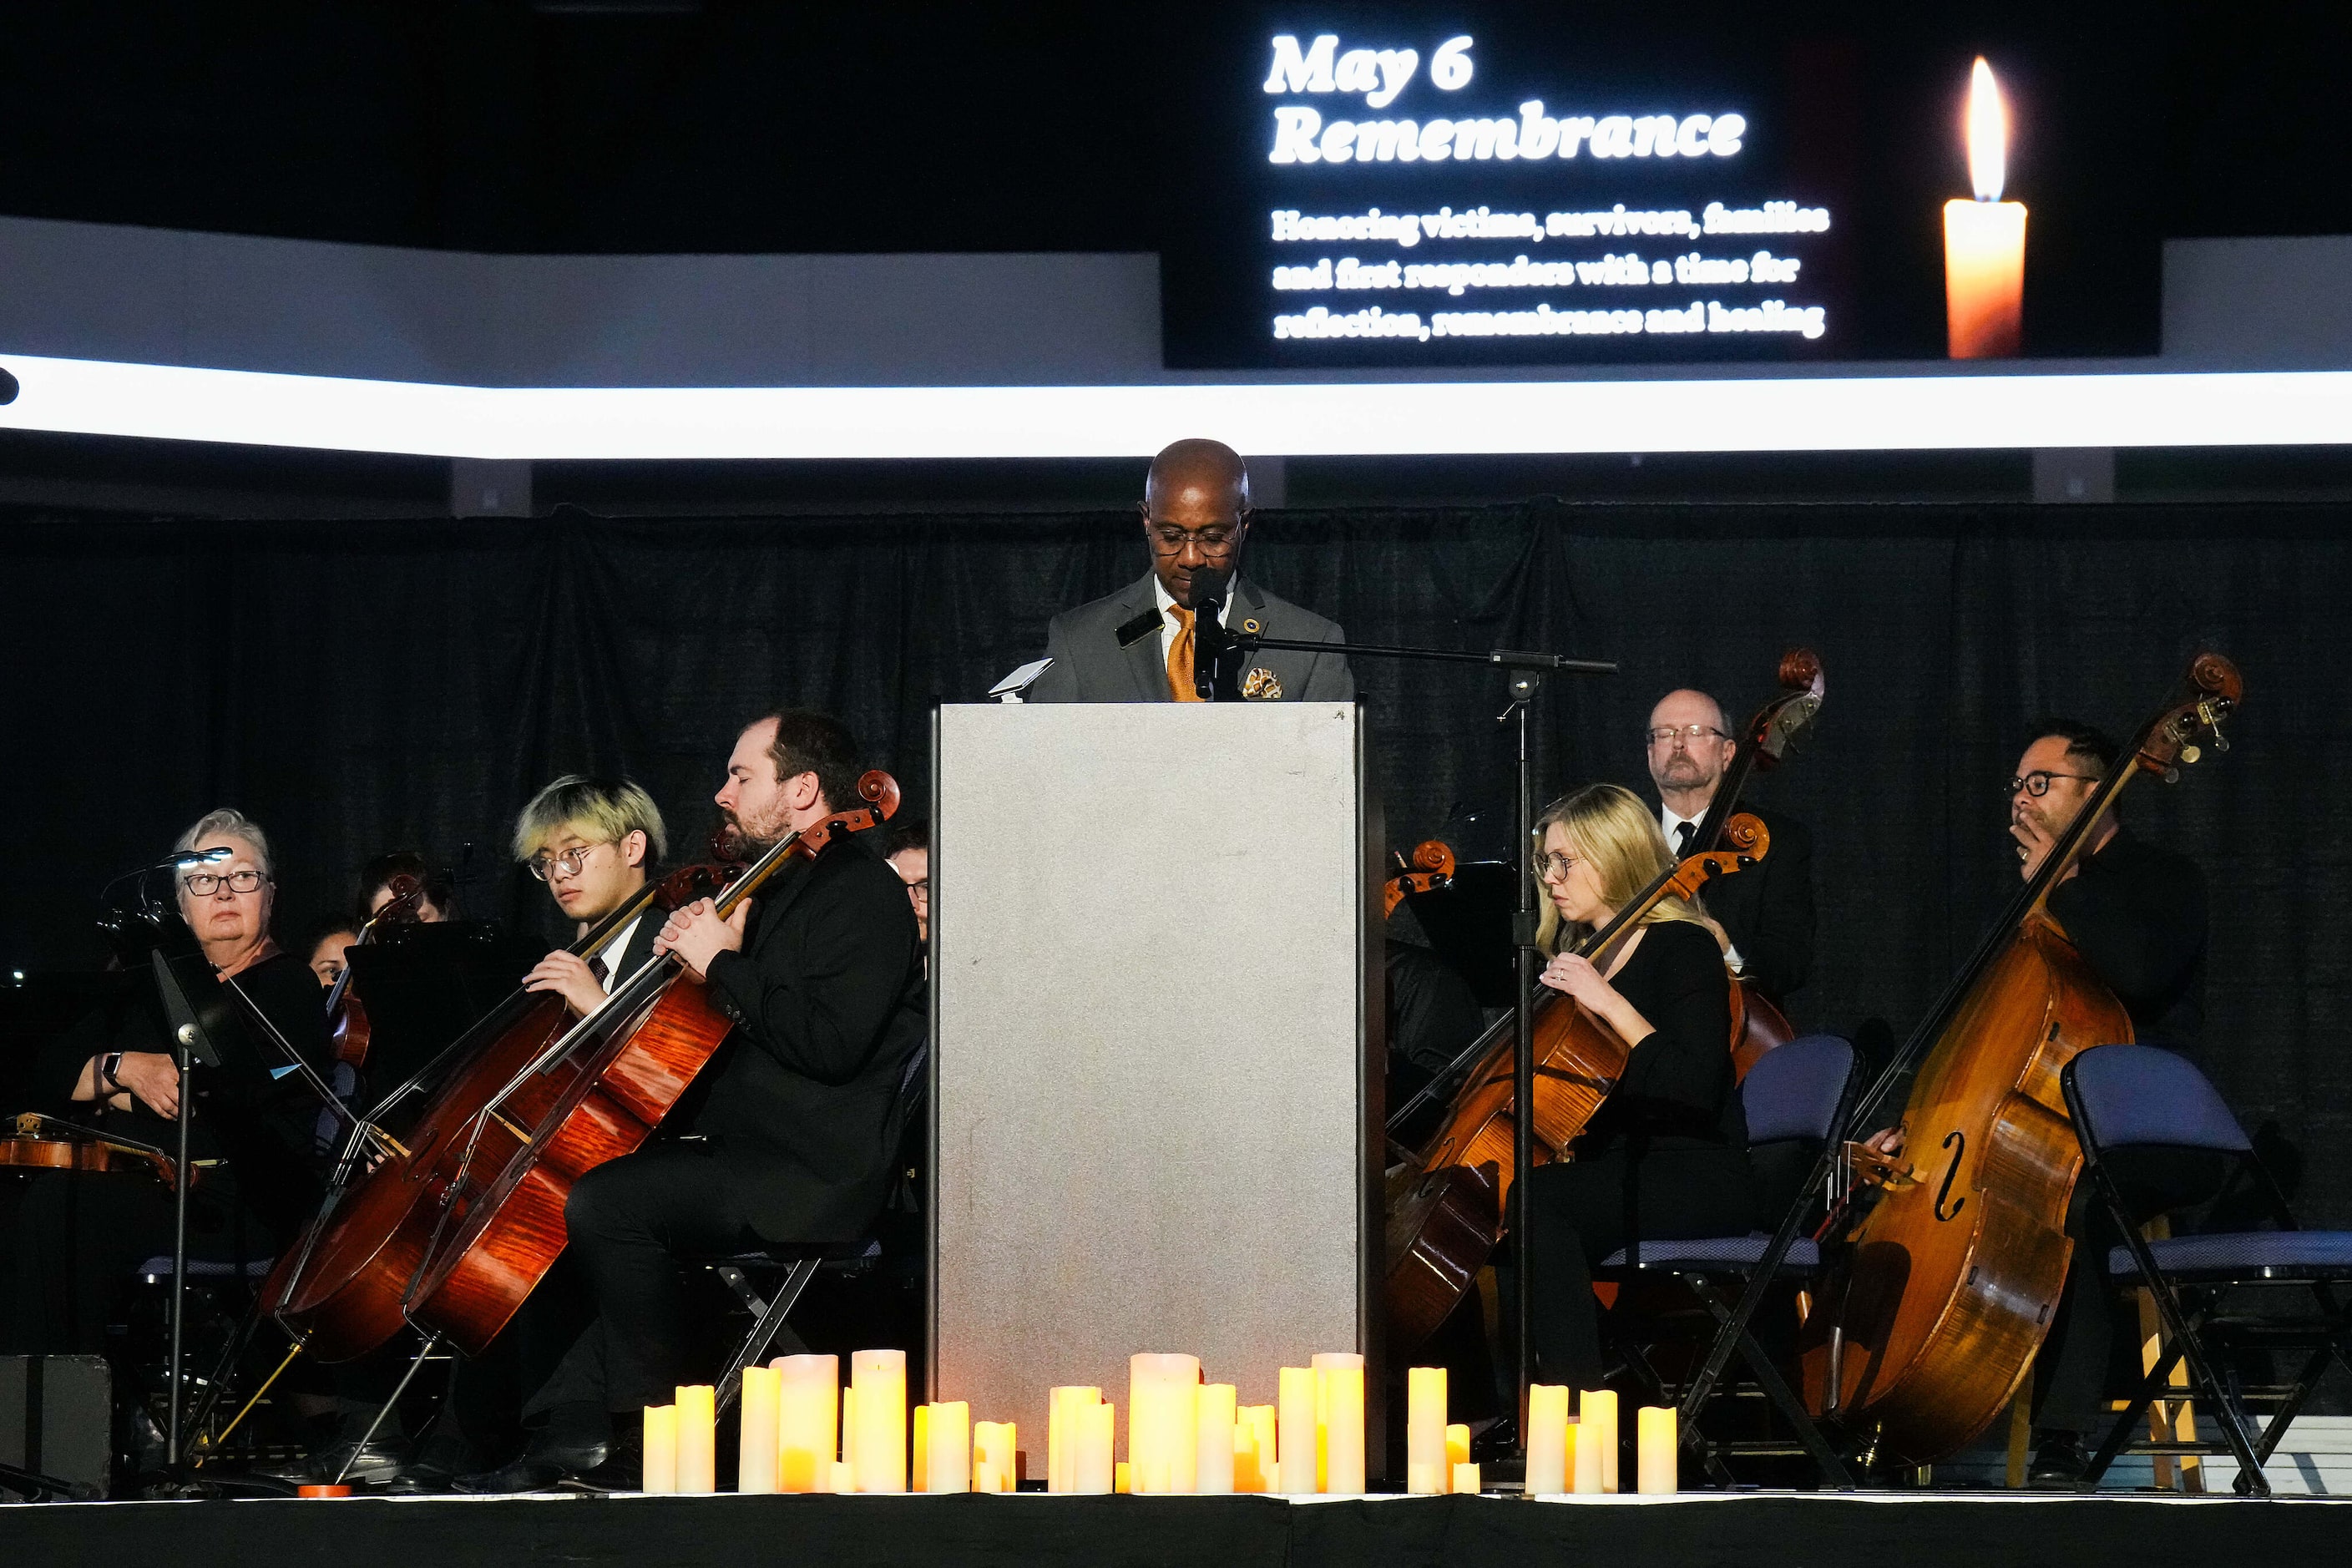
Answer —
1147 642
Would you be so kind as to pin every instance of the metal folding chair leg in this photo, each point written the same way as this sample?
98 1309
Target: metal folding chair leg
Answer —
2251 1479
1777 1390
769 1321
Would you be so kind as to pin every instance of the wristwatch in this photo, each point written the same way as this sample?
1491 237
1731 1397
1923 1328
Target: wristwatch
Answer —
107 1065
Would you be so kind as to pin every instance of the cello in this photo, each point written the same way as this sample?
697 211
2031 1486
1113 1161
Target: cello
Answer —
1431 868
1950 1279
594 1095
347 1020
1446 1221
339 1292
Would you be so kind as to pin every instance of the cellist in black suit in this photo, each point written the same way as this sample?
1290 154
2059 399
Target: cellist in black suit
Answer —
790 1134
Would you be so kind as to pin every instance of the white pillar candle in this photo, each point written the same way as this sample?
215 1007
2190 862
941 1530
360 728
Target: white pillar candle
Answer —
697 1438
1660 1471
756 1466
1424 1431
995 1456
878 1381
1547 1430
1599 1409
1093 1470
1214 1425
807 1414
661 1448
948 1449
1342 1379
1295 1411
1162 1412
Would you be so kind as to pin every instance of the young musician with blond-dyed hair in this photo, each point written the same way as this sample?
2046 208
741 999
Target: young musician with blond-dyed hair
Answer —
594 843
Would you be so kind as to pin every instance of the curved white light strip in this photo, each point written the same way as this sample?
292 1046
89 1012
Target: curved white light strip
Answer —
1813 414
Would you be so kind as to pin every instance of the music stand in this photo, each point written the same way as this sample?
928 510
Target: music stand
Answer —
424 986
1469 924
190 1045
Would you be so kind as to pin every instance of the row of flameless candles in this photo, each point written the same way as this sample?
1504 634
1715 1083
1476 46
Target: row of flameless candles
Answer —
803 1432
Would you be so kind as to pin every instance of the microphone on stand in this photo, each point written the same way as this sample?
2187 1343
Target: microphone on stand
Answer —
1204 598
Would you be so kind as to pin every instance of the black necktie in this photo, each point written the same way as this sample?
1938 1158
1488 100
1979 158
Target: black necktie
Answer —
596 967
1683 831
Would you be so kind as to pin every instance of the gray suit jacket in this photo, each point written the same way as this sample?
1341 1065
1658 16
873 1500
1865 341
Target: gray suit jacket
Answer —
1090 667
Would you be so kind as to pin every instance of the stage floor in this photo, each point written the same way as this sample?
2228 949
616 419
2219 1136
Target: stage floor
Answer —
1747 1529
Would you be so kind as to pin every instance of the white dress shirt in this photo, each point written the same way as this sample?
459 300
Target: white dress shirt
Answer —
617 946
1673 825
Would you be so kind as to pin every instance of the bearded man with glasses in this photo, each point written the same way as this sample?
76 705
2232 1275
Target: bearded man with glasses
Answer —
1767 911
594 843
1145 643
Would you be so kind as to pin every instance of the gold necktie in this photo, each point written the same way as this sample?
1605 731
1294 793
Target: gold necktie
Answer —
1181 687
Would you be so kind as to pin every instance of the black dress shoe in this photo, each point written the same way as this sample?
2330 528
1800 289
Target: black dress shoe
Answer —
542 1467
623 1470
346 1462
421 1479
2059 1462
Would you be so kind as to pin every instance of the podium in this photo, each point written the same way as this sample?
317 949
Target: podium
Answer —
1157 1042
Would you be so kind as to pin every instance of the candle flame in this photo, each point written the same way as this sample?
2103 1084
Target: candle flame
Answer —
1988 133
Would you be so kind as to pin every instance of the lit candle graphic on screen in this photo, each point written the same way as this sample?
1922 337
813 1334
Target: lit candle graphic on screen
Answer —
1984 239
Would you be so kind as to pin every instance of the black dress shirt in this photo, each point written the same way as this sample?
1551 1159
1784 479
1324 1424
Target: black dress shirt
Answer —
2137 914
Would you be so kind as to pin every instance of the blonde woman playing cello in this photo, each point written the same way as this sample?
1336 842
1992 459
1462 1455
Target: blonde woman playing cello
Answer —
1665 1156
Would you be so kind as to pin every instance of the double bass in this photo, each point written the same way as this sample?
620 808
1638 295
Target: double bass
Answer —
593 1096
1953 1272
1756 1024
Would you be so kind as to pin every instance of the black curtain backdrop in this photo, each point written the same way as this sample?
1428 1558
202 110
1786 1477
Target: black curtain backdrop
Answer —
359 686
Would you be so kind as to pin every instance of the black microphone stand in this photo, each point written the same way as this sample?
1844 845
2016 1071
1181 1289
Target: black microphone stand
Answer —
189 1045
1526 671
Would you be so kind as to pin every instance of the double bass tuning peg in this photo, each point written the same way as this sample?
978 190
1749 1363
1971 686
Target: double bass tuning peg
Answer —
2190 754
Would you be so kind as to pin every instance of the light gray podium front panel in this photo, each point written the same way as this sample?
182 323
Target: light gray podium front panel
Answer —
1154 1109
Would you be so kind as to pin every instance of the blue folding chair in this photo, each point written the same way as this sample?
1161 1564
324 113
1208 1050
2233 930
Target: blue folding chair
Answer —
2125 1096
1797 1100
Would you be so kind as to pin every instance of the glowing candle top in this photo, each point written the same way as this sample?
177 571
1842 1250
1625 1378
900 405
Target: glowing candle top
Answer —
1987 133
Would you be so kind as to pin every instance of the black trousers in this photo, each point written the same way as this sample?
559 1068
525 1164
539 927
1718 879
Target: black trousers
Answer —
2076 1358
1582 1211
631 1220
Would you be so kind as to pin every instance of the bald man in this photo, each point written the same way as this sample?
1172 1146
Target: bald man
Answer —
1768 909
1140 644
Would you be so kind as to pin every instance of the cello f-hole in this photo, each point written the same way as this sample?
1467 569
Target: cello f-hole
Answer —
1960 1138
